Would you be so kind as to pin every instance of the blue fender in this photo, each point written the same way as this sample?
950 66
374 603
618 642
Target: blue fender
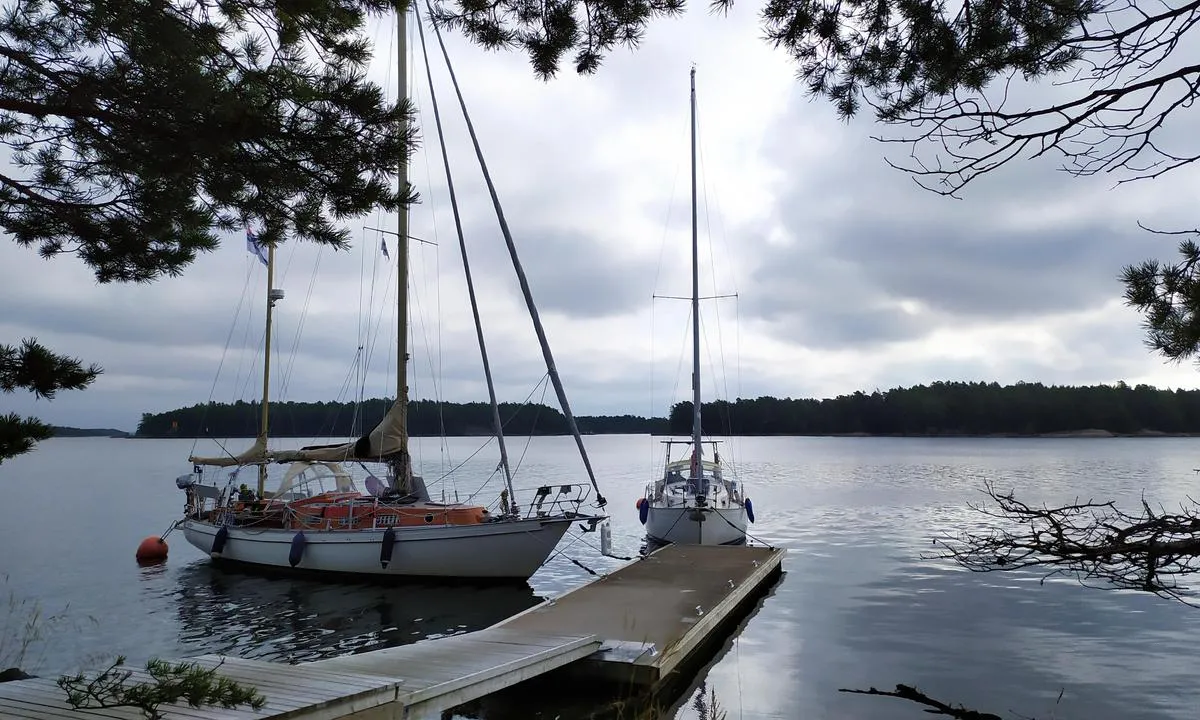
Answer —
219 541
297 551
749 510
643 510
385 549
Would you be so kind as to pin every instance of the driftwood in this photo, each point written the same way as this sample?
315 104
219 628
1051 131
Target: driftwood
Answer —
934 707
1101 545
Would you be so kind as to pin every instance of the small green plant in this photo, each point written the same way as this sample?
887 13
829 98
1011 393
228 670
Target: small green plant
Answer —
23 628
171 683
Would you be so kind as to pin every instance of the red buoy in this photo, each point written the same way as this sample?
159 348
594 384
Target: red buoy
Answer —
152 549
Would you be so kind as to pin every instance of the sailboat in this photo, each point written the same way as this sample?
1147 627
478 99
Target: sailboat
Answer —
394 528
693 502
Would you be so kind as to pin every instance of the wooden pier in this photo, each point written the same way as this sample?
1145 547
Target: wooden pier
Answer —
637 624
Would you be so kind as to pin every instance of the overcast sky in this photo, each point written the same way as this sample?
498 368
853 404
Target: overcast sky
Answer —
848 275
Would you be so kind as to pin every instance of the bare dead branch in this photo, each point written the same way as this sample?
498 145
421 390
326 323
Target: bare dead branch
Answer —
1100 544
933 707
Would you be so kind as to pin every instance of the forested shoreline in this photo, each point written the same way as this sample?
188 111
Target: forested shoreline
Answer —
426 418
974 409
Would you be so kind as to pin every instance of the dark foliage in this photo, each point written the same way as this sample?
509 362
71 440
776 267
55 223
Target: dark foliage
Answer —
339 420
34 368
956 408
136 132
139 130
943 72
1168 296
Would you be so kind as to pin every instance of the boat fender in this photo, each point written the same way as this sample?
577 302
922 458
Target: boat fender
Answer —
297 551
643 510
749 510
219 541
385 550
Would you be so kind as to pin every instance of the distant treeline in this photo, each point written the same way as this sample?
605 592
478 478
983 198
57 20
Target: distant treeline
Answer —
957 408
61 431
333 419
941 408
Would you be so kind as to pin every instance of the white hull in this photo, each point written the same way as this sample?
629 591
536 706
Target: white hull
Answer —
497 550
691 526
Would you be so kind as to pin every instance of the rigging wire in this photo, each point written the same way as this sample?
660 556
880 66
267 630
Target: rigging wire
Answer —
653 305
548 356
487 442
724 373
713 272
312 283
224 352
444 448
499 430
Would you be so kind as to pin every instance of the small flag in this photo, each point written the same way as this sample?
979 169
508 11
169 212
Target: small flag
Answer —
383 244
254 247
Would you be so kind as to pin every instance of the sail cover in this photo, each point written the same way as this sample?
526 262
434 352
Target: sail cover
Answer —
256 454
382 442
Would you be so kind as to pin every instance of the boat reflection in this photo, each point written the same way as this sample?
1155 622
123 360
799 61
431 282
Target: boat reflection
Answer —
548 698
223 610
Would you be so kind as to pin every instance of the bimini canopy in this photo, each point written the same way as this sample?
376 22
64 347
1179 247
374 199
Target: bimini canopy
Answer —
345 483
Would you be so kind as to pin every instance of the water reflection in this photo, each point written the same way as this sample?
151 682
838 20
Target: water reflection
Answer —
550 698
240 613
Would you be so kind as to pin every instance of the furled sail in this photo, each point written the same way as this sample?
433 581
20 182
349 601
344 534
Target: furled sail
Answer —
256 454
385 441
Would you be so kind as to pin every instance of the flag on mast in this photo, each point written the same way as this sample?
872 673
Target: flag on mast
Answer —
255 247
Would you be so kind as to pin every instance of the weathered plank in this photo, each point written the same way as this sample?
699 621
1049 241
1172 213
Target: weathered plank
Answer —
654 612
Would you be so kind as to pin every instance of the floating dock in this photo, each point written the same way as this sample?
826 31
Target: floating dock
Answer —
638 624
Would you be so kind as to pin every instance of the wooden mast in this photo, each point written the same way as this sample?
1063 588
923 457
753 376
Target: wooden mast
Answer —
266 415
402 467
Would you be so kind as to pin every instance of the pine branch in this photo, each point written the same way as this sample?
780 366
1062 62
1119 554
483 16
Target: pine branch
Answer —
170 684
35 368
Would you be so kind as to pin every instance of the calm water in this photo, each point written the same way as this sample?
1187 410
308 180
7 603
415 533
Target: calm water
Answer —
857 607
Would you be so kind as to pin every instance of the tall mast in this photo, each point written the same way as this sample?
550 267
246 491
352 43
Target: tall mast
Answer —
696 450
262 427
462 247
402 470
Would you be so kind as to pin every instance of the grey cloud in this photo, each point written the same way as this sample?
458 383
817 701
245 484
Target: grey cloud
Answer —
1027 242
581 275
976 272
841 327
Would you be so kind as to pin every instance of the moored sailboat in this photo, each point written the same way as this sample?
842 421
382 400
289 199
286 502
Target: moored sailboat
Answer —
395 528
693 501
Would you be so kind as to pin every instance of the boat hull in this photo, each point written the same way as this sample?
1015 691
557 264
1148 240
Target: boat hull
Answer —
692 526
509 550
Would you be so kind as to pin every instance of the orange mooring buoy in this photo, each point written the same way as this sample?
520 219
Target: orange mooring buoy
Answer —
152 549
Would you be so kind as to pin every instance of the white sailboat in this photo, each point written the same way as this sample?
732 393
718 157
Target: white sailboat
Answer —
394 529
693 502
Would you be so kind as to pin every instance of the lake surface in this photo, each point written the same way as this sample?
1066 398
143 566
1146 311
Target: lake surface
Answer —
857 606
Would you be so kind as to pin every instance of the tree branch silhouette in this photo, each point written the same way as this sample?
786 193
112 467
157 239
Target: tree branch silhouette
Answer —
1103 546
